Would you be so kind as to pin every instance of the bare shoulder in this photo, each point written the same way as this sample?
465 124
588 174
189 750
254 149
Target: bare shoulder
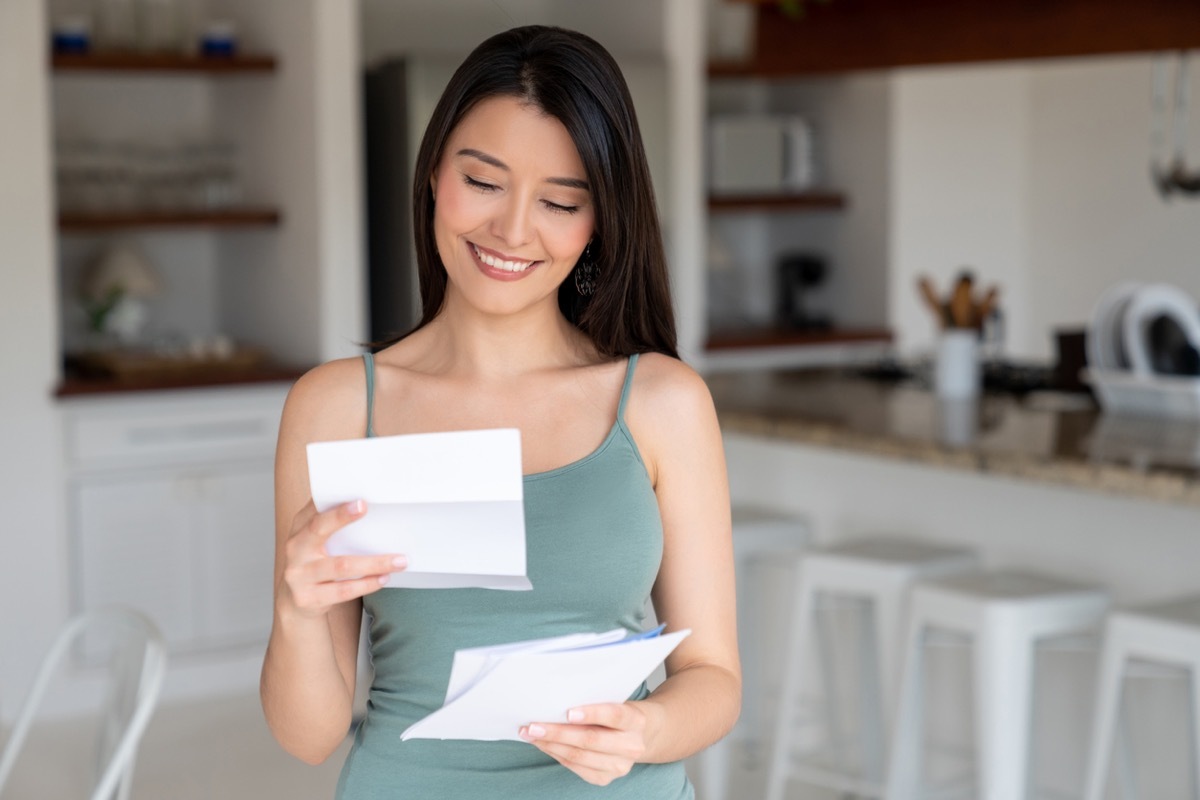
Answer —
328 402
670 414
666 388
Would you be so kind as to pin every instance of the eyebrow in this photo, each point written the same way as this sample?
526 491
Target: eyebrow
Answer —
570 183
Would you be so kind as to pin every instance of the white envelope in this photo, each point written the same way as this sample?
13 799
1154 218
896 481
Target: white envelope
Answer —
452 503
515 686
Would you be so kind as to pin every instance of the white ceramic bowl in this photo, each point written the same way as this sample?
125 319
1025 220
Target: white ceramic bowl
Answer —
1150 302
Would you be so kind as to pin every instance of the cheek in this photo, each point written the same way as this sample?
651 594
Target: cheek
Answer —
574 235
455 207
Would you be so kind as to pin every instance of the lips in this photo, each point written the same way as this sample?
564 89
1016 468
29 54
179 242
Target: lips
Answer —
500 268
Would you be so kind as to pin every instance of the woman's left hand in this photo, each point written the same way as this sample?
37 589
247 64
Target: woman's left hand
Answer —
599 743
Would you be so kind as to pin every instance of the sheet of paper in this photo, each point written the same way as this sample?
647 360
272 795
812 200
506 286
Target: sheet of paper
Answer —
471 663
523 687
452 503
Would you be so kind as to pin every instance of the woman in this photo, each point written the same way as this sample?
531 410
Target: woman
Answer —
546 308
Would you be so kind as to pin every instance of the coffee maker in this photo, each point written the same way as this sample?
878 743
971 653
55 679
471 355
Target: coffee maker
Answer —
796 274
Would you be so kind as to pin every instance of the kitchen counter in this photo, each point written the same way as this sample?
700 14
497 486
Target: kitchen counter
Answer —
1051 438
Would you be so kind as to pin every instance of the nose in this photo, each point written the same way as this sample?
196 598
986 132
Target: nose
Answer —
513 221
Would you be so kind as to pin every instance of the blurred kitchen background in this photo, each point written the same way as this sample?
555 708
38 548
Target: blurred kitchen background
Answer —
203 198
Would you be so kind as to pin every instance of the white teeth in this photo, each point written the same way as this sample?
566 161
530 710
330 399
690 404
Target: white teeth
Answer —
507 266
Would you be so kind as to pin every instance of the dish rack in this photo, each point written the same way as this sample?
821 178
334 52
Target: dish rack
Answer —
1125 392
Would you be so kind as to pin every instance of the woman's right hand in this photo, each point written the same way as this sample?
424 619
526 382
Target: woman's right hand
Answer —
314 581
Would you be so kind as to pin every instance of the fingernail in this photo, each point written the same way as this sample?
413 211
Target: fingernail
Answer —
574 715
356 506
400 561
536 731
383 579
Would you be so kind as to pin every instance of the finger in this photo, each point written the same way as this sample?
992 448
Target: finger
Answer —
342 568
321 525
609 715
594 768
565 753
574 741
320 597
338 517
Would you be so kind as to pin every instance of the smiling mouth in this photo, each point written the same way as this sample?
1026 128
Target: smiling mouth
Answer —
499 263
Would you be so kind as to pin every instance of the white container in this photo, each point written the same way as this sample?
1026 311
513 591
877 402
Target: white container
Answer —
956 371
1123 392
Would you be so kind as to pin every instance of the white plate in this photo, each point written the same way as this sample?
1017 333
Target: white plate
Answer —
1150 302
1105 337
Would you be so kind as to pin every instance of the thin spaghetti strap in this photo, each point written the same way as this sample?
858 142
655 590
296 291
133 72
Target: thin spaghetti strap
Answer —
369 365
625 387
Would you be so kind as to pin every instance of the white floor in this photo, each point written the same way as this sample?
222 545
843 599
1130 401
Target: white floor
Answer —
216 749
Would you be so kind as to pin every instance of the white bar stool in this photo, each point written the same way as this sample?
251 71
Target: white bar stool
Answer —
878 571
1006 612
1166 634
760 536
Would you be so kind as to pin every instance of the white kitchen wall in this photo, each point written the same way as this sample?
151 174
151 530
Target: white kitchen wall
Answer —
958 162
1038 175
33 579
298 131
1093 215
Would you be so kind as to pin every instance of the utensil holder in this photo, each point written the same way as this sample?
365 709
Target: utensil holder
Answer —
956 370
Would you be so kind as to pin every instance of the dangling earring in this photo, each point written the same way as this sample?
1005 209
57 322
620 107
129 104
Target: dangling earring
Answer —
587 273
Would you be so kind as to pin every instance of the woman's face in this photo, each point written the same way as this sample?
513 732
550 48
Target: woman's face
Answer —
512 210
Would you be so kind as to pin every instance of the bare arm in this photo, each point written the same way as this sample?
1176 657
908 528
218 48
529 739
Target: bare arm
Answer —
308 675
701 698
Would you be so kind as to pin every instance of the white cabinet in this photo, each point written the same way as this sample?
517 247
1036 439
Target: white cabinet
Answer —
235 565
172 511
131 547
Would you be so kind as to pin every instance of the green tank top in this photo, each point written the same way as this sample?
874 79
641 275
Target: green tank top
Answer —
594 543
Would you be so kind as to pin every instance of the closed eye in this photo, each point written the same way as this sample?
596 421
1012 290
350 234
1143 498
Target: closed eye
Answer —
483 186
480 185
560 209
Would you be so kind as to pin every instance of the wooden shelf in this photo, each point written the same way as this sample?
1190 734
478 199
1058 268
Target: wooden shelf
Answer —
784 337
81 222
161 62
806 201
75 384
845 35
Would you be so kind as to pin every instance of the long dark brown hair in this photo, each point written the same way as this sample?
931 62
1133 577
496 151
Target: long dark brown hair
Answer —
572 78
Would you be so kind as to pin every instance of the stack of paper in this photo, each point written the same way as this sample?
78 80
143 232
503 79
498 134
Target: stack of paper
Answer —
452 503
493 691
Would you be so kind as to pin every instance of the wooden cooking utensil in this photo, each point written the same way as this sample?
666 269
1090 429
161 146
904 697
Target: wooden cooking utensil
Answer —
962 304
930 296
985 306
961 309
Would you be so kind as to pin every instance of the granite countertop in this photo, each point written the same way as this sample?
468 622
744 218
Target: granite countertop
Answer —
1048 437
